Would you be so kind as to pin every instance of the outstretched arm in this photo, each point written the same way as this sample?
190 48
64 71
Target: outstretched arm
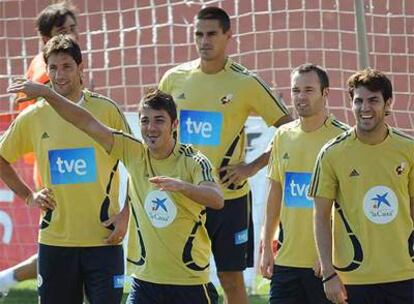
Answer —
69 111
206 193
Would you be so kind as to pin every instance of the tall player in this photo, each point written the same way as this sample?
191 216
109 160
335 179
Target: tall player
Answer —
58 18
294 151
214 96
77 249
367 175
171 185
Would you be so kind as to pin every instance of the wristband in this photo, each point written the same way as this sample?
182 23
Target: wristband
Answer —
329 278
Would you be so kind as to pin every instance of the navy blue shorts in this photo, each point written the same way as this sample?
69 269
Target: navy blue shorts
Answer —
143 292
294 285
66 273
231 232
401 292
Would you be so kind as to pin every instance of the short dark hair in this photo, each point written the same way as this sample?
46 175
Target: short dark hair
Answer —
54 15
371 79
215 13
62 44
156 99
321 72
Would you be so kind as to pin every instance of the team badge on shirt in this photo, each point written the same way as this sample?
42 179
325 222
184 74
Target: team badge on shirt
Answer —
160 209
401 168
226 99
380 205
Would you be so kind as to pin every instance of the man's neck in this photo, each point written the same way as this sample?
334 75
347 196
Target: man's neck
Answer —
165 152
373 137
75 96
213 66
312 123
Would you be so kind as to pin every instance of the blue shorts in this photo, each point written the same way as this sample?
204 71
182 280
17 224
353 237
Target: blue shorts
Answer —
143 292
292 285
66 273
231 232
401 292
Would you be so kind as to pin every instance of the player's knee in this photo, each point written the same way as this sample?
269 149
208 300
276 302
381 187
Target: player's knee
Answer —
231 281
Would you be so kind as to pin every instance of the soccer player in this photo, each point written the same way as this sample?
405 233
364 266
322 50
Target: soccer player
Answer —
294 150
367 176
59 18
171 185
215 96
77 248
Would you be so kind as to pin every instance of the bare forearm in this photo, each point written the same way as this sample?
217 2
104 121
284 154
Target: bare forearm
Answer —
13 181
272 213
209 196
259 163
323 236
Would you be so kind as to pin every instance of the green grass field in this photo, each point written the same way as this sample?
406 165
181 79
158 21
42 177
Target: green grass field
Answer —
25 293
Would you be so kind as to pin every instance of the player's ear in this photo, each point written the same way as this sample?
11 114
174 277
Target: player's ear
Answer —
387 106
174 125
229 34
81 76
325 92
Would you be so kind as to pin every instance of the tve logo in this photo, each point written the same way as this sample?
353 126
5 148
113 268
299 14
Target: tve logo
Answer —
72 166
296 190
200 128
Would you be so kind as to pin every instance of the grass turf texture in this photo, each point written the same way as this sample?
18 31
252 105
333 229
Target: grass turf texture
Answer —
25 293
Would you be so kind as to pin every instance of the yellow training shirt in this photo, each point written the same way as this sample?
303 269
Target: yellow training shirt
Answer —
213 110
294 153
168 242
82 176
371 185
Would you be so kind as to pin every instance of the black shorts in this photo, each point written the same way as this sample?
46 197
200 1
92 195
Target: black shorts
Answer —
64 273
294 285
143 292
231 232
401 292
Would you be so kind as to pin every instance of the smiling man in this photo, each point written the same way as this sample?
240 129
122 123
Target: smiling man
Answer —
215 96
367 175
79 240
171 185
58 18
294 151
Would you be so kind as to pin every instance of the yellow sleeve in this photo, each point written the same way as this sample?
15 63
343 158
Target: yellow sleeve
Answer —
273 166
127 149
324 182
201 169
16 141
411 177
264 103
164 84
121 122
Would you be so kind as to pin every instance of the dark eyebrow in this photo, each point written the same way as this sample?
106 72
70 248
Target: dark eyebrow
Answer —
208 33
